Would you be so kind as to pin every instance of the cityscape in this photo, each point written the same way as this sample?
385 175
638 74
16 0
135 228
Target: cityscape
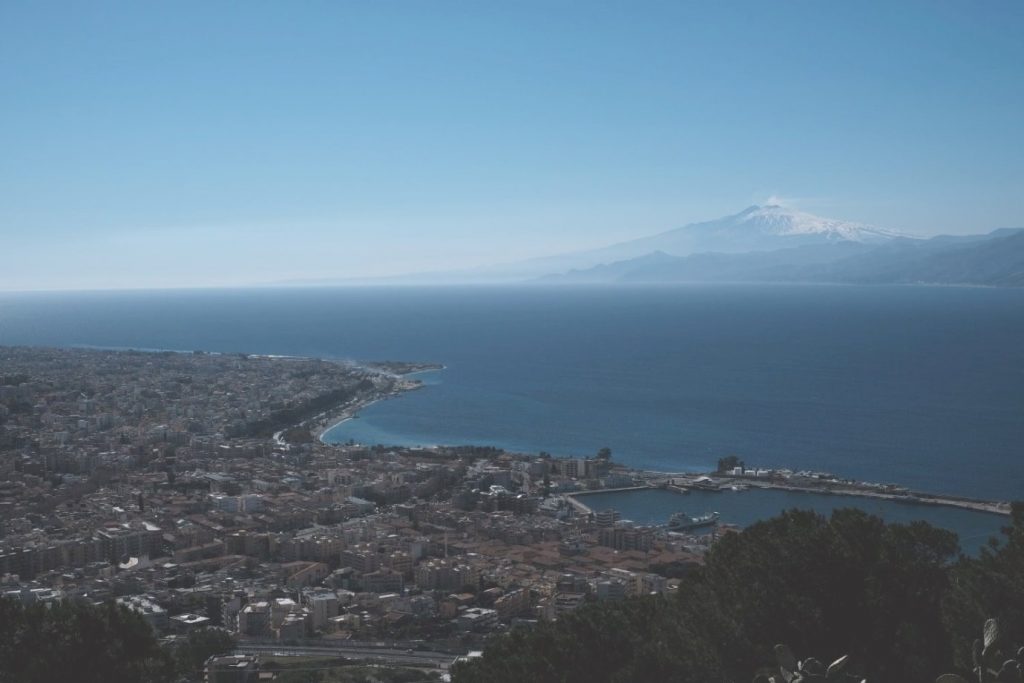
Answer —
523 342
158 480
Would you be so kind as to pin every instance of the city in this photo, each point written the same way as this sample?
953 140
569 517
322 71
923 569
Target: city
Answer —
173 483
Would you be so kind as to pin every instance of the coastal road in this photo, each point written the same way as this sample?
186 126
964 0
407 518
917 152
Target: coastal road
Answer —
420 658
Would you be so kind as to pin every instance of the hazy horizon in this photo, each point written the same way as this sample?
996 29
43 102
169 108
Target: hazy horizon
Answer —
206 146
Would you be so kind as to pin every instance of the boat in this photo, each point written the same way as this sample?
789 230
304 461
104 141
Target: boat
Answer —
680 521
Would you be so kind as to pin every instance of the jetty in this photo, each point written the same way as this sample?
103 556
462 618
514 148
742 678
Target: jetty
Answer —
582 508
820 483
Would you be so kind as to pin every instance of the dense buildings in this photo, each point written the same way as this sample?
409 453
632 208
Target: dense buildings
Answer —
191 488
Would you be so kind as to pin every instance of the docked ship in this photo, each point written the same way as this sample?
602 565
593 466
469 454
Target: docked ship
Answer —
680 521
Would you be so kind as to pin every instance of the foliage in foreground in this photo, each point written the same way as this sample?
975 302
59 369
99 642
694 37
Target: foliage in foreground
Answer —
75 641
810 670
78 641
895 598
995 660
190 654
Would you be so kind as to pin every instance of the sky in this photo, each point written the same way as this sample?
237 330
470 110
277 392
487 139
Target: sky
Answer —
229 143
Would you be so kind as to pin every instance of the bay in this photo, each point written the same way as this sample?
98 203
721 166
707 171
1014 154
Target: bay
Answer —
921 386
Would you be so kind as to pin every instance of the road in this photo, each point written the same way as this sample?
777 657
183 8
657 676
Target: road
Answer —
420 658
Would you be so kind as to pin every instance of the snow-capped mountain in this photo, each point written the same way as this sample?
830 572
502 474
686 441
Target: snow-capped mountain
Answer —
777 220
756 228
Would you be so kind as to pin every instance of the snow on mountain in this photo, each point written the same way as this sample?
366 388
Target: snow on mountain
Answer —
756 228
760 228
777 220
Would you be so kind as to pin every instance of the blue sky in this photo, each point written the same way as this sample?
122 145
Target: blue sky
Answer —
214 143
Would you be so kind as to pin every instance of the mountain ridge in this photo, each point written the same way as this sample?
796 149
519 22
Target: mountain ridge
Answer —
769 243
756 228
995 259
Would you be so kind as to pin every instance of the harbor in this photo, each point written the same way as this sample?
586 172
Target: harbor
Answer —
654 506
742 500
819 483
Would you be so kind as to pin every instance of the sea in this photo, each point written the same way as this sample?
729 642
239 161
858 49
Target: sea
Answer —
915 385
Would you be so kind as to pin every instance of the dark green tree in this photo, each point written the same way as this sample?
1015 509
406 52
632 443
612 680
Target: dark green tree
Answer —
76 641
850 584
650 639
988 586
191 653
729 462
846 585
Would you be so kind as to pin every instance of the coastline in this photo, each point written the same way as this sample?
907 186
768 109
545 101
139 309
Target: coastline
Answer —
400 380
329 419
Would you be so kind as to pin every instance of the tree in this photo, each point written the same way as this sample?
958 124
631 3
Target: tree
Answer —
988 586
80 642
831 586
646 639
728 463
190 654
604 454
846 585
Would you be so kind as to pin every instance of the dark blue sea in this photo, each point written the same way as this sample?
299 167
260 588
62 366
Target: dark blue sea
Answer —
922 386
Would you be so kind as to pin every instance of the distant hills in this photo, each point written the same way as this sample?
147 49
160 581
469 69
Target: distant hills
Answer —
995 259
777 244
756 228
762 244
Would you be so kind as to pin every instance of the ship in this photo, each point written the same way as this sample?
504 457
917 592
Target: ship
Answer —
680 521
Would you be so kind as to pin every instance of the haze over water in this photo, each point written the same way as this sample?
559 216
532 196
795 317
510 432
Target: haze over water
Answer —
920 386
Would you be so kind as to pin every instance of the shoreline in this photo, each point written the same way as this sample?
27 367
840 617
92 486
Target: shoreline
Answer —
403 382
329 419
326 422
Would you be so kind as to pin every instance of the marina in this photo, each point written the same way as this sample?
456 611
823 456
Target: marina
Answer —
654 507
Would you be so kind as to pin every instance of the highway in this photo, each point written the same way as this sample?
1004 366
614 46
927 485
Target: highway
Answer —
420 658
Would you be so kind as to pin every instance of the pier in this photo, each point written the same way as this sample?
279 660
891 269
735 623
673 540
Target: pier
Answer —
585 509
716 482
